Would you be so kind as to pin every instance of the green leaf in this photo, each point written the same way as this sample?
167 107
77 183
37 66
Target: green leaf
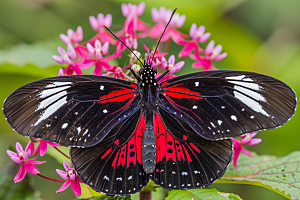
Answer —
281 175
21 190
199 194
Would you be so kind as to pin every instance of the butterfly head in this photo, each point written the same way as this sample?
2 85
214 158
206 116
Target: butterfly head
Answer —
148 73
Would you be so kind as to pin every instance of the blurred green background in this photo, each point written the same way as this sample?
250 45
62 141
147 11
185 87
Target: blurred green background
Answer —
261 36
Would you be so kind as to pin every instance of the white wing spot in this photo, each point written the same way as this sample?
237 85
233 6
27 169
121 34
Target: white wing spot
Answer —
64 125
173 172
219 122
76 113
233 117
48 125
197 172
105 111
212 124
130 177
243 109
196 84
222 107
195 107
101 87
184 173
105 177
119 178
252 117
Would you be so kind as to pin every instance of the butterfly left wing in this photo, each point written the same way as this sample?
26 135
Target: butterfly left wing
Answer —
223 104
184 159
74 110
114 166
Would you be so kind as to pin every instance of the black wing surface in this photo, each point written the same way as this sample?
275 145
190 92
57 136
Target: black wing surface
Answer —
224 104
114 166
70 110
184 159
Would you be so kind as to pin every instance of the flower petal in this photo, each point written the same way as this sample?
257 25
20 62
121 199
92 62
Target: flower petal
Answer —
73 177
108 20
14 156
21 174
64 186
125 9
255 141
204 37
90 49
19 148
221 57
58 59
66 165
71 52
38 162
65 38
210 47
100 19
164 63
155 15
62 174
76 187
29 148
31 168
105 47
171 60
141 8
94 23
193 30
181 21
43 147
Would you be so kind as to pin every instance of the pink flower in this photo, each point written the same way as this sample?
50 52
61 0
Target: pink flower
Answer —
239 146
198 34
65 57
132 22
117 72
72 37
162 16
71 179
157 56
42 147
213 52
170 64
60 72
98 25
98 50
129 40
26 164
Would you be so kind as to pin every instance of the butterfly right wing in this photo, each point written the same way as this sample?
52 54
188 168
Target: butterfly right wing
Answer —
71 110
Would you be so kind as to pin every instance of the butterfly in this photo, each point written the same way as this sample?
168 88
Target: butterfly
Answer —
176 133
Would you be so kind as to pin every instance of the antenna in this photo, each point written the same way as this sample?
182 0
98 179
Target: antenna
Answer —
162 35
123 43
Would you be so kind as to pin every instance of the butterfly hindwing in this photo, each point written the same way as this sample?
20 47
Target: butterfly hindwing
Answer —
114 166
185 160
224 104
70 110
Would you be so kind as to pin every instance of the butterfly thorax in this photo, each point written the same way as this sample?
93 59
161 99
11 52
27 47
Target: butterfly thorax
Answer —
150 91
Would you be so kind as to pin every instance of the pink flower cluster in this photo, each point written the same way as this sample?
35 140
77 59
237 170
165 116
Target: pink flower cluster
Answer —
95 52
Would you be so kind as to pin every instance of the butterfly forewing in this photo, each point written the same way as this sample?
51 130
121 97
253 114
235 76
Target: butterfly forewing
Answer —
185 160
224 104
73 110
114 166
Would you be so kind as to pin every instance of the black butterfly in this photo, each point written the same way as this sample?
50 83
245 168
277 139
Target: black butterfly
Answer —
176 133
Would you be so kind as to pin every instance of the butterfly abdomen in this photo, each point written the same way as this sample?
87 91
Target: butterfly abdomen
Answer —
149 149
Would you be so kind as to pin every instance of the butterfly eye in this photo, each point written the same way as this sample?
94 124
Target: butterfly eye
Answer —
154 70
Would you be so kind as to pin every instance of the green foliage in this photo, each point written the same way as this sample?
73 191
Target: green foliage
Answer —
281 175
201 194
19 191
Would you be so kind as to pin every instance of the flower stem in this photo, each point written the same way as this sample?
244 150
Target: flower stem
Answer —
145 195
62 152
168 43
51 179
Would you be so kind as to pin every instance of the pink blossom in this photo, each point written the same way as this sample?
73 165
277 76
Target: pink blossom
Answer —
60 72
161 17
26 164
65 57
239 146
72 37
129 40
98 25
98 50
170 64
213 52
117 72
198 34
132 22
42 147
71 179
